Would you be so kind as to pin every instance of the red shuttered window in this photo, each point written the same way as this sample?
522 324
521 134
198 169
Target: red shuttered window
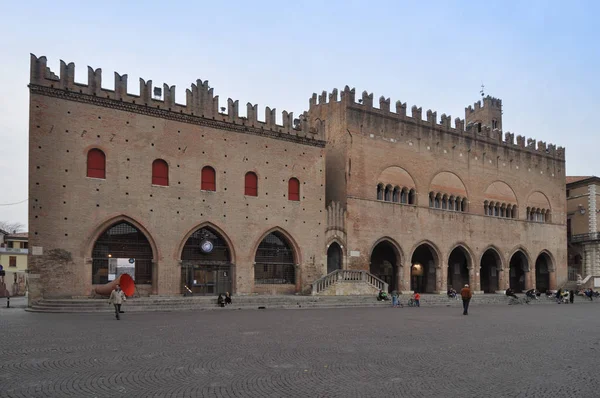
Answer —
209 180
294 189
251 184
96 164
160 173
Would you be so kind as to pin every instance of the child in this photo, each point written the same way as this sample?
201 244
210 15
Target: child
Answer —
417 298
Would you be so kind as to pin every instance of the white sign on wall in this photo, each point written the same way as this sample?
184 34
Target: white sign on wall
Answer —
120 266
354 253
37 250
596 282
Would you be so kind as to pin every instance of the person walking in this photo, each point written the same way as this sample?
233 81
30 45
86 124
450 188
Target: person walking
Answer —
571 296
116 298
466 295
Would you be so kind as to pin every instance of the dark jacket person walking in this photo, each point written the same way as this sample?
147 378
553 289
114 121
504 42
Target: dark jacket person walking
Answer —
466 295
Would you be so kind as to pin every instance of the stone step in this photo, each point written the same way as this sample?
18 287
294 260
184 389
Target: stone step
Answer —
151 304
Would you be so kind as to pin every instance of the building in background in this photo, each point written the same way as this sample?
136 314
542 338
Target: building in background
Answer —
14 248
582 227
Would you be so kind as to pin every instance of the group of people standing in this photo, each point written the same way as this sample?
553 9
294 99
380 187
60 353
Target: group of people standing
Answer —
415 300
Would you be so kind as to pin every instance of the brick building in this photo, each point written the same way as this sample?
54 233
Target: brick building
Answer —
202 199
582 228
429 206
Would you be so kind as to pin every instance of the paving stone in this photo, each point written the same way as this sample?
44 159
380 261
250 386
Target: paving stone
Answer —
511 351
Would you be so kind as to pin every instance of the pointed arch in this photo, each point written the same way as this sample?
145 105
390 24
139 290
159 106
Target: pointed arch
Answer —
497 253
179 250
393 243
122 237
468 252
385 261
552 262
287 236
433 247
109 222
520 248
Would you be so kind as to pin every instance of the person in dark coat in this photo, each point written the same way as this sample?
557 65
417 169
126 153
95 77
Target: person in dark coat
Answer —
571 296
220 300
466 295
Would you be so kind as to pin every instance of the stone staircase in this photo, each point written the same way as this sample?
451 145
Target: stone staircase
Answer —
180 303
348 283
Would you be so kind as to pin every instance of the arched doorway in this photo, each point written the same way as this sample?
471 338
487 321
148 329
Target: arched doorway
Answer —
334 257
384 263
458 268
518 271
206 263
423 269
122 248
542 272
490 265
575 268
274 261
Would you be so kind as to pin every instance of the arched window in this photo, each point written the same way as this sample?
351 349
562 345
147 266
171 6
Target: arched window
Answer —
96 163
463 205
122 241
404 196
160 172
395 195
485 207
411 197
380 192
294 189
431 202
274 261
251 184
388 193
438 204
209 179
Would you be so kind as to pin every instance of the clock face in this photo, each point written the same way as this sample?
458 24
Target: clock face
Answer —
206 246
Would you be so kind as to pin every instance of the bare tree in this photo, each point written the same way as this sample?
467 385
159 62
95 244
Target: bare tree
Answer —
11 227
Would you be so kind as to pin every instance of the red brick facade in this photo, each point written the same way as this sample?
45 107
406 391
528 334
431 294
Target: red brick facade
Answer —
369 184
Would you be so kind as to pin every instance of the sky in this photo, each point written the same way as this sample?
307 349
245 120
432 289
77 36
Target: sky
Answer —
540 57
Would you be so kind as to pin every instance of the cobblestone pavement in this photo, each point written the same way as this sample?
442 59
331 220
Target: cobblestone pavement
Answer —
498 351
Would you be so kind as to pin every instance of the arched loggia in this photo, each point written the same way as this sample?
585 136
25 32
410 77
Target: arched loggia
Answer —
424 263
519 267
458 268
385 262
543 265
491 265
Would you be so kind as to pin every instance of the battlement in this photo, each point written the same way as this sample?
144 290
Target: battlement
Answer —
200 100
488 102
443 125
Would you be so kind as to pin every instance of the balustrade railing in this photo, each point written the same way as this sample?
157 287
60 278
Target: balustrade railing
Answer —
343 275
585 237
13 250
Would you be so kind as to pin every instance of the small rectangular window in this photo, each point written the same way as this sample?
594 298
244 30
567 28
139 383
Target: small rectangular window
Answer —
12 261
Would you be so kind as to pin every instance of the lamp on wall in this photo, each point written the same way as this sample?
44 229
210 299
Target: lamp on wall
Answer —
417 270
581 209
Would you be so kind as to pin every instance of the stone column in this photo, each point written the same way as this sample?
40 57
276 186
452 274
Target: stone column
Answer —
528 282
552 278
155 276
439 279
